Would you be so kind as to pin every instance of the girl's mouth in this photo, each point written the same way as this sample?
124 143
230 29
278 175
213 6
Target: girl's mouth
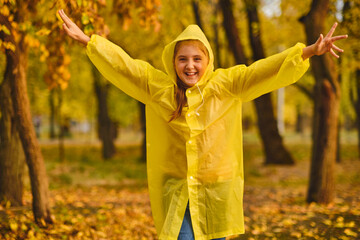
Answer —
190 73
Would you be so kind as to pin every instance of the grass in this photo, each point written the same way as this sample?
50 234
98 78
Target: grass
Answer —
84 166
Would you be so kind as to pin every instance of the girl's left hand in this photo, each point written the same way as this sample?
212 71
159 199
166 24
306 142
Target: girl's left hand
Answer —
72 29
326 44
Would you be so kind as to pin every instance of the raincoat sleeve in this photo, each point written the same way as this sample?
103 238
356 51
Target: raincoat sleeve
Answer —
268 74
126 73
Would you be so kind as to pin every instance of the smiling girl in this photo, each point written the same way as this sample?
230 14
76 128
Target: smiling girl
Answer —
193 124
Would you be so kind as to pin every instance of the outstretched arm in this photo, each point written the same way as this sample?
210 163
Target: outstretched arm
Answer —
132 76
72 29
324 45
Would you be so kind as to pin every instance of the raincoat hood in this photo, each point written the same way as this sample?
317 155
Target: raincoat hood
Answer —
192 32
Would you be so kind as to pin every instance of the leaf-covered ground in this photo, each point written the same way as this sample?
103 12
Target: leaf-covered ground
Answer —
87 203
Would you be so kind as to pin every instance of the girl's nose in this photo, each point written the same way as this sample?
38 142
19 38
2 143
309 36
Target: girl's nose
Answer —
190 65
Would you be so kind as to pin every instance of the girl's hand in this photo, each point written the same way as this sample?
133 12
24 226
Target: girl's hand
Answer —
72 29
324 45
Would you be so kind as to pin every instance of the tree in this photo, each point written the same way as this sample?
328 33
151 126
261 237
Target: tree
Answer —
18 22
350 22
16 49
275 152
326 110
106 127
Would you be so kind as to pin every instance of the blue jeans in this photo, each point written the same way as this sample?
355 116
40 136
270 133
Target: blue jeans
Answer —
186 231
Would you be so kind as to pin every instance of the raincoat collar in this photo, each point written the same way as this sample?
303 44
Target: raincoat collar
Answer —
192 32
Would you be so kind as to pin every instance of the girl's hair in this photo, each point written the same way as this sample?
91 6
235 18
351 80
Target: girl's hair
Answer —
180 95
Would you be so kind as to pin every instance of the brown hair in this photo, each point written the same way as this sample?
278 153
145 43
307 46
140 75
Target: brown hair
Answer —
180 95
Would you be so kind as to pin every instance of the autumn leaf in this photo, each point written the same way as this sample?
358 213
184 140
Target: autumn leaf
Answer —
13 226
5 29
350 233
43 32
85 19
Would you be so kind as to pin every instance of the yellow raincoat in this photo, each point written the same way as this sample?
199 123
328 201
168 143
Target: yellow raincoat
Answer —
199 156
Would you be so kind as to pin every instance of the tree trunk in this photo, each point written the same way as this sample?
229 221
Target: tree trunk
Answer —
17 65
106 128
63 130
299 127
52 134
326 111
232 33
195 5
338 145
357 105
215 27
12 158
349 21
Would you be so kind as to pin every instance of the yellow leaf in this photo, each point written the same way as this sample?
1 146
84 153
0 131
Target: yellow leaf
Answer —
43 32
350 233
30 234
58 17
42 58
5 11
350 224
67 60
13 226
288 222
85 19
4 29
327 222
23 227
296 234
277 230
309 234
339 225
256 230
14 25
344 208
43 222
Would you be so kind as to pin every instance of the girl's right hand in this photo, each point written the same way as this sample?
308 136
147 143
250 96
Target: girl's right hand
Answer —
72 29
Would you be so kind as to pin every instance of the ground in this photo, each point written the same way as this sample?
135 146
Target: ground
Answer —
97 199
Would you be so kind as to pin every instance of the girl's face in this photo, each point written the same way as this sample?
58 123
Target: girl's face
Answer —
190 63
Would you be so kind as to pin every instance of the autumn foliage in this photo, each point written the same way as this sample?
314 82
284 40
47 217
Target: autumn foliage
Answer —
95 199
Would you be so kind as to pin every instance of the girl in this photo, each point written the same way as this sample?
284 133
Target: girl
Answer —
193 117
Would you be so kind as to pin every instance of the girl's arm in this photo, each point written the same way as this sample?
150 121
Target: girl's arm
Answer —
324 45
279 70
130 75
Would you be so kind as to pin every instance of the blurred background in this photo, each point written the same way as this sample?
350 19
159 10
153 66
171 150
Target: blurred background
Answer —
66 123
